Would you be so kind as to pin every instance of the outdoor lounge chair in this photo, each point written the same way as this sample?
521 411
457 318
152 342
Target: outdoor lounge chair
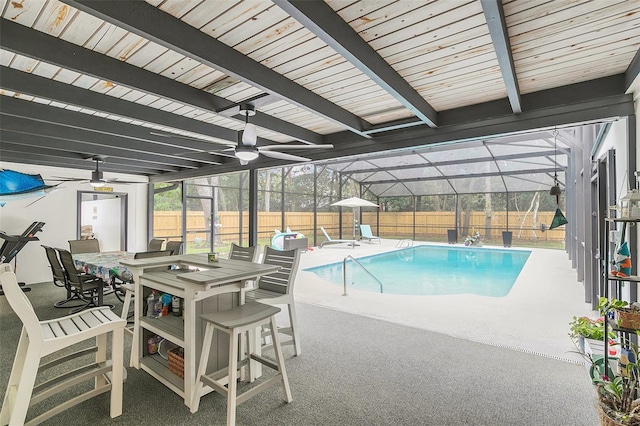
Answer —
365 232
329 240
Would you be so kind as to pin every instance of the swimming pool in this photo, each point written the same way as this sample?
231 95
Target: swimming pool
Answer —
433 270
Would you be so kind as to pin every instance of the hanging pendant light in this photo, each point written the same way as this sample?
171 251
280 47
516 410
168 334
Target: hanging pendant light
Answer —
558 218
555 189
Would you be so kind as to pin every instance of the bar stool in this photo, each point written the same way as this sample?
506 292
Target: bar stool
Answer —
129 292
39 339
235 322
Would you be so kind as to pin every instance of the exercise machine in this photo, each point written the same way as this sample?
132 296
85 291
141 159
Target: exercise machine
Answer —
14 243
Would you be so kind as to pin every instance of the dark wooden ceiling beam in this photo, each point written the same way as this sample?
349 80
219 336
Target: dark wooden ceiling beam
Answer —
134 165
73 159
130 135
319 18
633 70
34 85
581 102
38 45
23 134
153 24
494 13
55 132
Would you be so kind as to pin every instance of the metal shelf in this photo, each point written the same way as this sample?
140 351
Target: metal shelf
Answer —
613 278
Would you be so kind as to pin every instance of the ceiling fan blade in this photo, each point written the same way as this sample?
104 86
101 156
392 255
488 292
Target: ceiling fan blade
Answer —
122 181
282 156
189 138
225 153
66 179
287 147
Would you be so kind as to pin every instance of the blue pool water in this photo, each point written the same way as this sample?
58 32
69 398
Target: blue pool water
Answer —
433 270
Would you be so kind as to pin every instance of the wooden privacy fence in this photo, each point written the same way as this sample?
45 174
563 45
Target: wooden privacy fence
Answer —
428 225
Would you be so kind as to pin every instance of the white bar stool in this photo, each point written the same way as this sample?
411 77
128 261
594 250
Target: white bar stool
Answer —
237 321
41 338
130 291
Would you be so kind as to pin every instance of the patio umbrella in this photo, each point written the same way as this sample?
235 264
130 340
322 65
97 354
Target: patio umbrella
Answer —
355 203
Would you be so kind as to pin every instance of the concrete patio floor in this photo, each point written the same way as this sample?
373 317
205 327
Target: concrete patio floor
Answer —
533 317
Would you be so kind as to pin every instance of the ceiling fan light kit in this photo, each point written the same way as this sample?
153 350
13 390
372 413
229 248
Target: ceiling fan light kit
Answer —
246 152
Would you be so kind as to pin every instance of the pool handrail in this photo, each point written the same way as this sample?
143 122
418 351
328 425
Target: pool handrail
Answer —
344 274
401 243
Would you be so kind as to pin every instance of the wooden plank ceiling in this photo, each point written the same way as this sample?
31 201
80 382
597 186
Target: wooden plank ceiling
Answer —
85 79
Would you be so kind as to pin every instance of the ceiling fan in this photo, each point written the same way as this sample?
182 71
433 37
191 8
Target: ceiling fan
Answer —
246 149
97 179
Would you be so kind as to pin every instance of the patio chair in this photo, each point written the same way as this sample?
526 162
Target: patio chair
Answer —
49 340
175 247
60 279
155 244
90 287
329 240
277 289
365 232
84 246
247 254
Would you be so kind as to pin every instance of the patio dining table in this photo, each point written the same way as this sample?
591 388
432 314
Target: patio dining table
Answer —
104 265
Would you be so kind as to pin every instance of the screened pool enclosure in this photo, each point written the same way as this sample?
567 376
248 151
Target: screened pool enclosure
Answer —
424 193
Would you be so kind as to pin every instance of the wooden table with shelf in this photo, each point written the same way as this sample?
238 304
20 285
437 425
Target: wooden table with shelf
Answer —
216 286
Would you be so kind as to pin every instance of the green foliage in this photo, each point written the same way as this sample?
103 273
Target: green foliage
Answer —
588 328
167 200
297 183
618 394
607 306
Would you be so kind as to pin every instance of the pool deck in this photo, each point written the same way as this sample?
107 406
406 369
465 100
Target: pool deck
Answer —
533 317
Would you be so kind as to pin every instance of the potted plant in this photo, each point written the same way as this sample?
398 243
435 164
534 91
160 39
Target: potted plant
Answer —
617 393
617 389
585 328
627 316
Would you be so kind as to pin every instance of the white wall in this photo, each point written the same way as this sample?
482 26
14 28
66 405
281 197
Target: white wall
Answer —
59 212
104 218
